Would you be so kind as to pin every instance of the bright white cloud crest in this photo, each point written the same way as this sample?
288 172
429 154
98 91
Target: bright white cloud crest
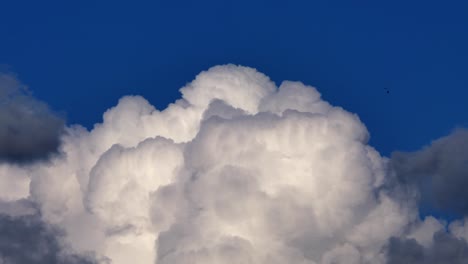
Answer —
237 171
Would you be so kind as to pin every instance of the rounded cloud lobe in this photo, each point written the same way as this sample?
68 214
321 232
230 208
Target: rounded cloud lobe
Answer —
236 171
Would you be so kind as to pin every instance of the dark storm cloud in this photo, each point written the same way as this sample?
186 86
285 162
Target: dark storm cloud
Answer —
27 240
446 249
29 130
439 172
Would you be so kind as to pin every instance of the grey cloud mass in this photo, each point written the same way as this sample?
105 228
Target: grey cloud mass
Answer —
439 172
27 240
446 249
29 130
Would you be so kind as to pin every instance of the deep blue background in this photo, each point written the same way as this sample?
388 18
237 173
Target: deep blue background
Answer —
81 56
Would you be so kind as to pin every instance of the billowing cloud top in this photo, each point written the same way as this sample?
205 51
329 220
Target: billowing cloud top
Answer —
236 171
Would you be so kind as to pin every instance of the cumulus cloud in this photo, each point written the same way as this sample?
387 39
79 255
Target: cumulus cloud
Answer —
236 171
29 130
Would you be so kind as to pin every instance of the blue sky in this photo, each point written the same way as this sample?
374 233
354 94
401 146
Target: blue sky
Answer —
81 57
267 187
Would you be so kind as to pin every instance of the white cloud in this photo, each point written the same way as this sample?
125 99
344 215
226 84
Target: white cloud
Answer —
237 171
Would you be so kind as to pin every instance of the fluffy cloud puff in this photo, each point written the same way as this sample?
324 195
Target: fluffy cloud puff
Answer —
236 171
